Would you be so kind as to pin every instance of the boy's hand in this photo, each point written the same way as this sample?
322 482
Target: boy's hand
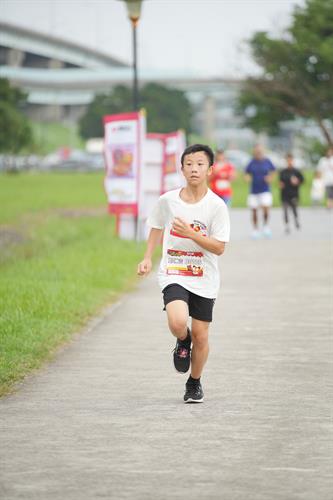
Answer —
181 227
269 178
145 267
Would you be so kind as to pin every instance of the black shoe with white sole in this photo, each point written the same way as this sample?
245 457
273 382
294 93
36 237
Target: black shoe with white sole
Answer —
193 393
182 354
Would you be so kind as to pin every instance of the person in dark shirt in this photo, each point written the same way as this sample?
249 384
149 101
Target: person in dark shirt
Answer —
290 181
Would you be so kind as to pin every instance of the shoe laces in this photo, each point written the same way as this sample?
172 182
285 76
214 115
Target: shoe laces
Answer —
181 351
195 388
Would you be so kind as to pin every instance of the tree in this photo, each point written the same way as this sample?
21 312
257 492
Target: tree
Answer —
15 130
296 72
167 109
118 101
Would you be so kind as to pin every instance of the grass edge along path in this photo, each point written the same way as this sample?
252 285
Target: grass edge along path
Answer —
73 269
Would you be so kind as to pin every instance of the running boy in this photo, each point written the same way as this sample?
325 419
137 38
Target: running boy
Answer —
196 227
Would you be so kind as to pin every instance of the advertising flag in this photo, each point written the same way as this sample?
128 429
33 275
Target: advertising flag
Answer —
123 146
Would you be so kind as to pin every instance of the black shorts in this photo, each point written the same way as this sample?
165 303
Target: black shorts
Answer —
199 307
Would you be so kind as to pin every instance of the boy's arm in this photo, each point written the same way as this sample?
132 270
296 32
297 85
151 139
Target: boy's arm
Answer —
281 177
154 238
270 177
247 173
271 174
210 244
301 177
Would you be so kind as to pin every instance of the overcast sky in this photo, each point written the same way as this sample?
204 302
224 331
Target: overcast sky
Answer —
202 37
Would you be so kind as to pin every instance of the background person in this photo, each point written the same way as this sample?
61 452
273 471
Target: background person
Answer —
260 173
317 190
223 174
290 181
325 167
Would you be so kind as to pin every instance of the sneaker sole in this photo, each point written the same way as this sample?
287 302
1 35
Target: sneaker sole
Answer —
180 373
190 400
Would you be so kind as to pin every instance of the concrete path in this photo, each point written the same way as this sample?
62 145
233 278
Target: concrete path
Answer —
105 419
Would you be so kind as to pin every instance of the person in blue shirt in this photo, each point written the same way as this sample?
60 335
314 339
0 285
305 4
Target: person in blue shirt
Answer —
259 172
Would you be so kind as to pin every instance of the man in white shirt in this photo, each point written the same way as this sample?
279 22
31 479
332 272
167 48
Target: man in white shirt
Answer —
325 167
196 226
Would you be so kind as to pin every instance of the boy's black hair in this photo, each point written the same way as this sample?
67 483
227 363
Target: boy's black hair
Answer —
196 148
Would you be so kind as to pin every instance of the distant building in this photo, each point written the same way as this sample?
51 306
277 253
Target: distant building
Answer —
62 78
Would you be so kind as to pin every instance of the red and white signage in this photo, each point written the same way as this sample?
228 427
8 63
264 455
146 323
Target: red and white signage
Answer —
139 169
123 150
174 145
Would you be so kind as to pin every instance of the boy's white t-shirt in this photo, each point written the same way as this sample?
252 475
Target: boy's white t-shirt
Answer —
184 262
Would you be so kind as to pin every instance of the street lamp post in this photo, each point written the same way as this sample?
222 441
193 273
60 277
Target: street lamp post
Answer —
134 10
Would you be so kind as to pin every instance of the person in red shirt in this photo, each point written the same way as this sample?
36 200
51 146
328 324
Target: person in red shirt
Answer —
223 174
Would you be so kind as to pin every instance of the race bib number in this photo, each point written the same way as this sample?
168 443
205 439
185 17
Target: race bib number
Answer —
184 263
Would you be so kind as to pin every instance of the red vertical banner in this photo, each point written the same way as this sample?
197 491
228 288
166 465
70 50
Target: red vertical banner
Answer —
123 148
174 145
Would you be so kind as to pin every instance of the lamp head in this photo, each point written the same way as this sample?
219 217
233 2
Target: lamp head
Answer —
133 10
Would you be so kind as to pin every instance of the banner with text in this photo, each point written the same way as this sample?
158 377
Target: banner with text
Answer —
124 135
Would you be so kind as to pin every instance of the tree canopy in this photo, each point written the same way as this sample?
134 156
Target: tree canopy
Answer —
167 109
15 130
296 77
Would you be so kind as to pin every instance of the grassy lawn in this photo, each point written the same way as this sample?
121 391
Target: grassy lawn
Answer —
33 193
60 262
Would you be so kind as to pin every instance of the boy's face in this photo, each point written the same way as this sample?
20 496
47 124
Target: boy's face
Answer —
258 152
196 168
290 161
219 158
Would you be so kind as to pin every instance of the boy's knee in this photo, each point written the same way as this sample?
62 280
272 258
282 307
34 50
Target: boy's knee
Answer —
200 340
178 326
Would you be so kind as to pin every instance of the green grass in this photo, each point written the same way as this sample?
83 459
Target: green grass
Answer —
35 192
60 269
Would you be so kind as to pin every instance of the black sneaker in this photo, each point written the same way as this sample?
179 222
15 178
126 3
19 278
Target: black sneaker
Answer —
182 354
193 393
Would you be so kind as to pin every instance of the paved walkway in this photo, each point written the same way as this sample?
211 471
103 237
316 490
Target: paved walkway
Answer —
105 419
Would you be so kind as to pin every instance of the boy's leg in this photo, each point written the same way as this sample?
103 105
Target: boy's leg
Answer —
266 230
200 347
266 215
285 212
254 218
200 350
293 204
255 233
177 312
